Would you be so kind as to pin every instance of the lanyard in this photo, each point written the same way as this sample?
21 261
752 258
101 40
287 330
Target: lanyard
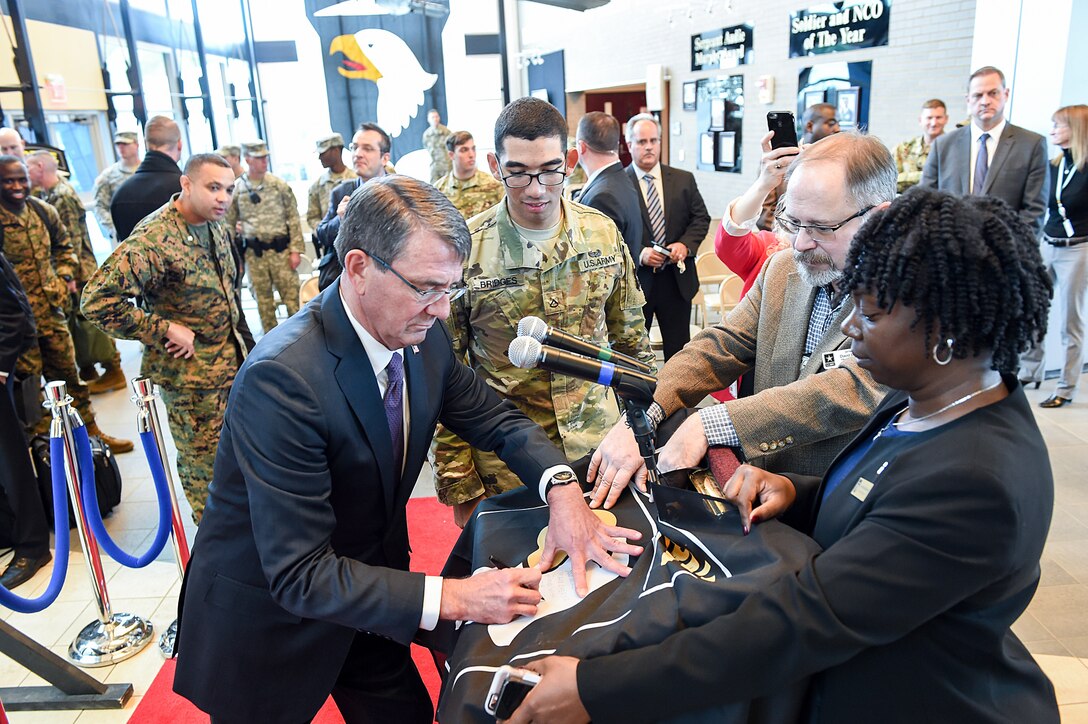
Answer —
1063 181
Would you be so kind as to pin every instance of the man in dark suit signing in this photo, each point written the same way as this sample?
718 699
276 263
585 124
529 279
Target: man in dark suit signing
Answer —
299 586
1013 167
675 217
606 188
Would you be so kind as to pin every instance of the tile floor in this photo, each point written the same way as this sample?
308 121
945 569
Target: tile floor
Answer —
1054 628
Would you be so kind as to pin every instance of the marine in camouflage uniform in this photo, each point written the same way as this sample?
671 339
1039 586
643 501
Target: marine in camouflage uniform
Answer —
271 232
39 249
434 140
582 282
65 199
910 159
185 275
474 195
107 183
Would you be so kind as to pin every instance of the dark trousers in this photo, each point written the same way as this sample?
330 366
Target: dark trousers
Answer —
22 518
672 310
378 684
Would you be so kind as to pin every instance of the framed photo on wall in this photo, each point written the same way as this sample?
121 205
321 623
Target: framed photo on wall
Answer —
727 150
690 95
847 104
812 97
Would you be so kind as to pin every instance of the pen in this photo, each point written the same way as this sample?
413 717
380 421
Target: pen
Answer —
500 565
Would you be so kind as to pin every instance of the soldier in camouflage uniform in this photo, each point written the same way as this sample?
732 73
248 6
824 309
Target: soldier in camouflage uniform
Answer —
233 154
910 156
178 263
471 190
128 148
540 255
330 150
434 140
37 245
271 232
52 188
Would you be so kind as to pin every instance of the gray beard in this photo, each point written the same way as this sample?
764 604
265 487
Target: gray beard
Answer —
816 278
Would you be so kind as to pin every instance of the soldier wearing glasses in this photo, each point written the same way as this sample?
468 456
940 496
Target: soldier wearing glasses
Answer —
271 233
537 254
810 397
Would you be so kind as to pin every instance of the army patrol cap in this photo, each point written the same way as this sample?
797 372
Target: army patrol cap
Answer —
331 141
126 137
229 149
255 149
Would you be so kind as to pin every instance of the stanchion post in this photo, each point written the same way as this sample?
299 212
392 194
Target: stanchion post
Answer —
146 395
114 636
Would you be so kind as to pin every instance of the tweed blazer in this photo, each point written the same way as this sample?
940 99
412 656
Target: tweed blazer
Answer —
799 417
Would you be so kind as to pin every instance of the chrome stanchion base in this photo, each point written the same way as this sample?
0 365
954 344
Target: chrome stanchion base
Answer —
166 641
100 644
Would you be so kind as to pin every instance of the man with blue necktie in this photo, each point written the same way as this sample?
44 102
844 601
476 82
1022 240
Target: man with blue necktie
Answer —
991 156
675 221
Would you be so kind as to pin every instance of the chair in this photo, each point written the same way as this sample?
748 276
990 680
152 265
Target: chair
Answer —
729 293
710 268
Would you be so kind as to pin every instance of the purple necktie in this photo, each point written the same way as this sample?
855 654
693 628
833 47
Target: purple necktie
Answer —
394 409
982 165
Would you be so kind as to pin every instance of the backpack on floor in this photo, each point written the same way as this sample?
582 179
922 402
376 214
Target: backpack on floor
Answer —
107 477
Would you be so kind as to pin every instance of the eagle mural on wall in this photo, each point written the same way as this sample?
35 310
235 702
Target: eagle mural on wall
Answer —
380 56
386 69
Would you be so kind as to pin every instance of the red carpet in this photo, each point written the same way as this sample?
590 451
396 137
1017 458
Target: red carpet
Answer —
432 532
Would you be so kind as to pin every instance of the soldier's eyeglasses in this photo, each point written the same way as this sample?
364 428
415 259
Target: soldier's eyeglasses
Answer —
818 232
426 296
254 197
544 178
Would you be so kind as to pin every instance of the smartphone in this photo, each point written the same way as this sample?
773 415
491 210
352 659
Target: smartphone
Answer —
508 689
785 128
661 249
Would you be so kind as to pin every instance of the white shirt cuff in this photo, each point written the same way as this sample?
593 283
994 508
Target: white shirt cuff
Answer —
547 476
733 228
432 602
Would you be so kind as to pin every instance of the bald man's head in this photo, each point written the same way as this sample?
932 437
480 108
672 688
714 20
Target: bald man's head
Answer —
41 167
11 143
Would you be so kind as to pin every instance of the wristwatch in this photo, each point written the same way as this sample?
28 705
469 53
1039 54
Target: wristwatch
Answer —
563 477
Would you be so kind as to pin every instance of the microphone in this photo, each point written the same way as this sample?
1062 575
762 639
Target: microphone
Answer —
539 330
527 353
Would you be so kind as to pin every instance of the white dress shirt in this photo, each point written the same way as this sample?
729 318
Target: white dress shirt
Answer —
991 148
379 356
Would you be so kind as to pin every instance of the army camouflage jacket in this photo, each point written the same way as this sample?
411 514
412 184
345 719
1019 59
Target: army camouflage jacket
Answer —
434 140
40 250
910 159
471 196
65 199
585 285
179 279
274 215
318 195
105 186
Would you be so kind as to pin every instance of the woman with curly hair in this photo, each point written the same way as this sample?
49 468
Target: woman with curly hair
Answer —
932 521
1065 250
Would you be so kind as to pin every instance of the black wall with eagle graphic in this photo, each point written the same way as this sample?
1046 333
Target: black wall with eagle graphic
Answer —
384 69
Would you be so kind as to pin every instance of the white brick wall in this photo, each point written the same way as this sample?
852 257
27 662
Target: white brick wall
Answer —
928 56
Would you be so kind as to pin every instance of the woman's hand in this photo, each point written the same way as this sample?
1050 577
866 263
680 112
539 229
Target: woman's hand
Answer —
774 162
775 494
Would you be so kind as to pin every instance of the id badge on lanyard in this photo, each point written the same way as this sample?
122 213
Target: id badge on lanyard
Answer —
1063 182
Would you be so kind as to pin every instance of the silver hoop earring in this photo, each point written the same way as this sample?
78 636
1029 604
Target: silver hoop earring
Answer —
948 343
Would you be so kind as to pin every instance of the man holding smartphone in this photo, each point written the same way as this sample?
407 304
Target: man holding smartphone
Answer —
675 222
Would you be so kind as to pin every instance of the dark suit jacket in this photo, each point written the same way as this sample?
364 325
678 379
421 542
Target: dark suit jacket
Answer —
905 614
1018 174
325 234
686 221
155 180
304 539
612 195
17 330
